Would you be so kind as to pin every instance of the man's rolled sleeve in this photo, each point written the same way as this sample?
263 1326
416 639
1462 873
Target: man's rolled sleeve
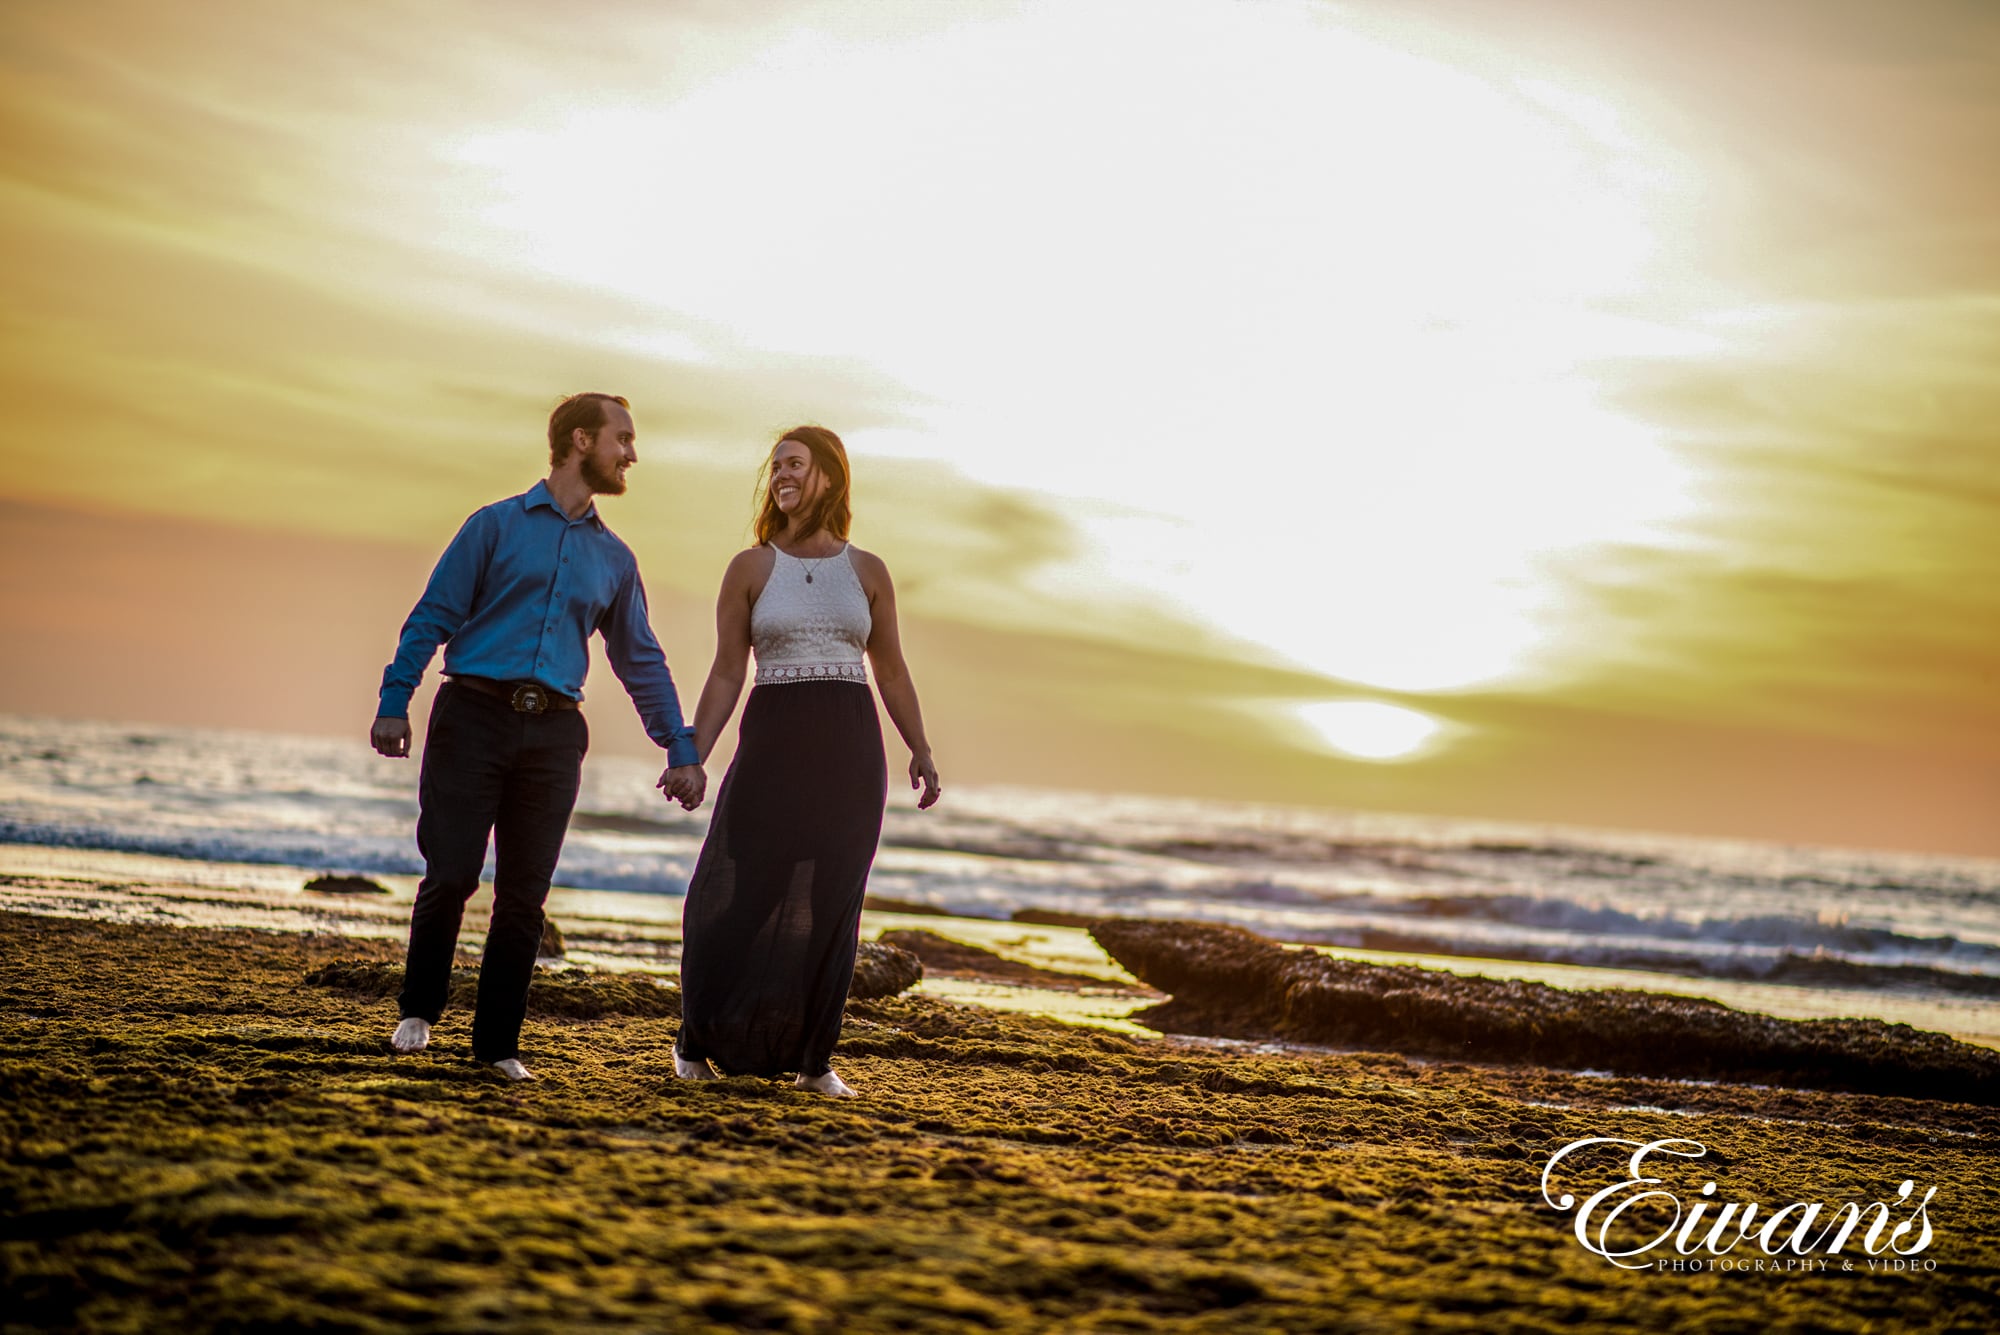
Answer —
443 608
641 665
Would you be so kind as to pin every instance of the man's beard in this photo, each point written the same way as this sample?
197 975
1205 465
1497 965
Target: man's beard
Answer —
603 476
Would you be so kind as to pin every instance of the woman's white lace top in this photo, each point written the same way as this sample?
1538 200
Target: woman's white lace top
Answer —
811 629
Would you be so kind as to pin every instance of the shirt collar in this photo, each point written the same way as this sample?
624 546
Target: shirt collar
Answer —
539 495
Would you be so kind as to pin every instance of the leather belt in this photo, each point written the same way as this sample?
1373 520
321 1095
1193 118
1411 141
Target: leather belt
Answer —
527 697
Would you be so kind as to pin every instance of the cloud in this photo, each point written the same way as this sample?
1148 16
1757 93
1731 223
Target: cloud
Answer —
1841 578
193 305
209 304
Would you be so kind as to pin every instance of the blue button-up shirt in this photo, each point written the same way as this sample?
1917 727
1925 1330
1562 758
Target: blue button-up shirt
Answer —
515 598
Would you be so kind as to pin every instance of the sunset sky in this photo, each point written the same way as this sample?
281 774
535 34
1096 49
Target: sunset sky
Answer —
1564 410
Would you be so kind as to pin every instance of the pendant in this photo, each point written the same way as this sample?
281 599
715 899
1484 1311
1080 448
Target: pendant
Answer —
809 578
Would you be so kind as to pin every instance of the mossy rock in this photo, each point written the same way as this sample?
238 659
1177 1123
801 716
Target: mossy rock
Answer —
333 884
882 970
1229 981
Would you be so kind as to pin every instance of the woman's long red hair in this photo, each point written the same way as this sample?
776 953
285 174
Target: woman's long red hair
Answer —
831 512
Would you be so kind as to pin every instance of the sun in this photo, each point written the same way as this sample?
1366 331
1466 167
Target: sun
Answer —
1369 729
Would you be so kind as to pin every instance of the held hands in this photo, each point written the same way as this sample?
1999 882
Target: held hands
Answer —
391 736
924 772
686 784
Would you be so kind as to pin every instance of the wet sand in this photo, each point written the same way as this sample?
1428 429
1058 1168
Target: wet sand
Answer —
193 1136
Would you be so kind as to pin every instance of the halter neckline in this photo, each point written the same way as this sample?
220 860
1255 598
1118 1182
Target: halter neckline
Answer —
828 557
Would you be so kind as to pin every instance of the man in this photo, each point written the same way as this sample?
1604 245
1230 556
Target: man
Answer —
514 600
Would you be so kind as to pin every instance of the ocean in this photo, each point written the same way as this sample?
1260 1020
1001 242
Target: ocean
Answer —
243 817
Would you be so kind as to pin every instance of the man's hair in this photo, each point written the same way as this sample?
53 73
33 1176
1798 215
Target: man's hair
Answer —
578 410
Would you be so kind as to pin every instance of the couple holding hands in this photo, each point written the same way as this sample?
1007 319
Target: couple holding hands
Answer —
773 909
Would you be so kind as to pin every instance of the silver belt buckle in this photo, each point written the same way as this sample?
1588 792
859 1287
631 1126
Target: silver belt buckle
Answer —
530 699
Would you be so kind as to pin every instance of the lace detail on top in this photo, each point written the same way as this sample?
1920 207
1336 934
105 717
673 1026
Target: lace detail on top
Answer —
813 630
813 672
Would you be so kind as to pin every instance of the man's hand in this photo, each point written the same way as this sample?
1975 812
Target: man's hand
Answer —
687 785
391 736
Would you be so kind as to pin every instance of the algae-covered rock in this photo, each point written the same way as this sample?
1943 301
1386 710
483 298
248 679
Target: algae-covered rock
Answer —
1228 970
551 947
332 884
1053 917
882 970
883 904
1234 983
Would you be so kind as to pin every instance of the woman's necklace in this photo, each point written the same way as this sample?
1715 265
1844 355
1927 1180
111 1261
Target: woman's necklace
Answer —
814 563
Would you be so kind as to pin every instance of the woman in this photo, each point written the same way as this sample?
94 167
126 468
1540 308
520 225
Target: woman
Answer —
773 912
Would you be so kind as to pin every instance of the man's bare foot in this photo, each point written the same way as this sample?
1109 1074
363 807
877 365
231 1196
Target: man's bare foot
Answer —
696 1070
511 1068
412 1035
825 1084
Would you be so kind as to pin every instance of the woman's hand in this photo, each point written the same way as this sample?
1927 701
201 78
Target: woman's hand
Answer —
922 771
892 674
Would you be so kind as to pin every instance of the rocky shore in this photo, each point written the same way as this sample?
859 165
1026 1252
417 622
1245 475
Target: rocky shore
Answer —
1230 982
205 1130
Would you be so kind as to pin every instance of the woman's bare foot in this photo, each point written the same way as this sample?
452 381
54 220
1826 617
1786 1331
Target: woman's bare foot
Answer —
825 1084
697 1070
511 1068
412 1035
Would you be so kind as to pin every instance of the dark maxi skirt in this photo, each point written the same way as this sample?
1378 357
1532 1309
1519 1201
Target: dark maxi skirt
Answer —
773 912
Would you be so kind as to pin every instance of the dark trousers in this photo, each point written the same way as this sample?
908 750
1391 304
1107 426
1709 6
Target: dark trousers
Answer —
489 771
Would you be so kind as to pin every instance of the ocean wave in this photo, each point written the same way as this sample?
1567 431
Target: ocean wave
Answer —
1787 968
257 847
582 865
1428 885
1793 932
1501 917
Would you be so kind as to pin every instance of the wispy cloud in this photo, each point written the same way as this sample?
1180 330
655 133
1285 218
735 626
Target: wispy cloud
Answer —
1842 579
